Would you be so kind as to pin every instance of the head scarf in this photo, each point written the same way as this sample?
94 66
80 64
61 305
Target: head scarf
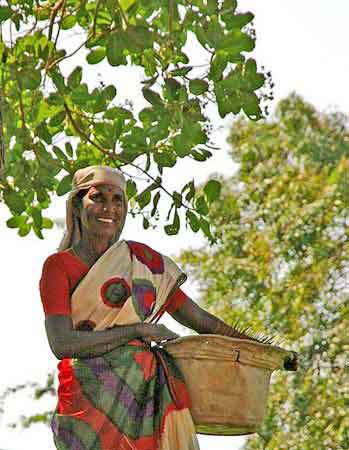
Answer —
84 179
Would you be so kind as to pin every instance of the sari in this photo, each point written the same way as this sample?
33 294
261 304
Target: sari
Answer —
133 397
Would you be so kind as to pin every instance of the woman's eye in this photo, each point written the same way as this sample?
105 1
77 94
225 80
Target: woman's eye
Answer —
118 201
97 198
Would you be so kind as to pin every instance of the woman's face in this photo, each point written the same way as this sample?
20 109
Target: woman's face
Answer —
102 211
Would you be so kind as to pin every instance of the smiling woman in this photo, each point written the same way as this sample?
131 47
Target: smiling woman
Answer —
102 298
100 211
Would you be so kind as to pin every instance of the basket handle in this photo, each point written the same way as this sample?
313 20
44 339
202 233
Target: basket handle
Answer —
291 362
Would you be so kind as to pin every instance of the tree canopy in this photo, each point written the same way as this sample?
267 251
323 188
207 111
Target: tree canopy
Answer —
281 265
54 122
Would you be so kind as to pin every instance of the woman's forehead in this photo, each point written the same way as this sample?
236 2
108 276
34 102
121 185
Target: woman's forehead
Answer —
105 188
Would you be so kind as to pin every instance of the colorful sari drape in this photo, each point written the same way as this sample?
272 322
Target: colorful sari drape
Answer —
134 397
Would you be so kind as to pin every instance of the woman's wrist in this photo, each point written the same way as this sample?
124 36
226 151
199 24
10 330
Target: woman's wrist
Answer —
140 329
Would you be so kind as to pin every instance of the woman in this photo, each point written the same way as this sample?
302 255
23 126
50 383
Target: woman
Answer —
101 298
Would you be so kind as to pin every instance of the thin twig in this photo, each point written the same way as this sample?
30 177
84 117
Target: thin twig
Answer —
54 13
57 61
60 24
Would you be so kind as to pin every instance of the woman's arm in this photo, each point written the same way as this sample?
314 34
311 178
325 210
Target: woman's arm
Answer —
65 342
192 316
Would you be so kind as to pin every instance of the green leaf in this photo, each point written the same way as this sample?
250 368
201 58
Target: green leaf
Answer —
5 13
155 203
24 229
181 145
38 233
171 89
190 187
43 14
201 154
59 153
181 72
131 189
58 81
68 22
198 87
115 49
251 106
126 4
96 56
201 205
193 221
64 185
37 216
138 38
75 78
152 97
43 133
177 199
165 159
219 63
47 223
30 79
145 223
252 79
53 99
144 198
173 228
16 221
205 226
194 133
212 190
69 149
57 119
14 201
238 21
80 95
109 92
229 6
118 113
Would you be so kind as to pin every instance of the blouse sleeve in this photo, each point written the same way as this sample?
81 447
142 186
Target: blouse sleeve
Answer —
54 288
177 299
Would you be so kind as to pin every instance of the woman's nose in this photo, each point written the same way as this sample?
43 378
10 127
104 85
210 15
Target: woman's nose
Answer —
109 207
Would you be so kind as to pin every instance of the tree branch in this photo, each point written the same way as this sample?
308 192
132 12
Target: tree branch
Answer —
60 24
54 13
115 156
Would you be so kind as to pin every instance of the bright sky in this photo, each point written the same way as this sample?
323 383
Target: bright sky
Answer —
304 45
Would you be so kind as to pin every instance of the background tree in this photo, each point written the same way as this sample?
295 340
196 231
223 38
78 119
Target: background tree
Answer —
54 121
281 265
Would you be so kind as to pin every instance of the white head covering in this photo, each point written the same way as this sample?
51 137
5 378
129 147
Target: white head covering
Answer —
83 180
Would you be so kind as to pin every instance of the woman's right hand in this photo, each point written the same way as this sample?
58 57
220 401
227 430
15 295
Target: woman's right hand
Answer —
156 332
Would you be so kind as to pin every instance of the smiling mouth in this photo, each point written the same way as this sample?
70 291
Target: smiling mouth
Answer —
102 219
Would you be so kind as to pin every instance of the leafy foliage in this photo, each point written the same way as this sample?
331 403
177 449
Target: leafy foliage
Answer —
54 124
282 264
38 391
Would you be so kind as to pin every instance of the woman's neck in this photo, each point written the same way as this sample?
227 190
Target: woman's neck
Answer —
91 248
